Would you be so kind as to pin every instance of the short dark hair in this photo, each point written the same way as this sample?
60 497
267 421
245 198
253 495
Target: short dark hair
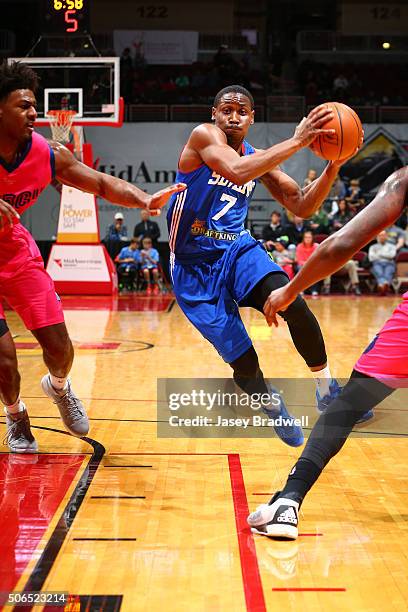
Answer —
234 89
276 212
16 75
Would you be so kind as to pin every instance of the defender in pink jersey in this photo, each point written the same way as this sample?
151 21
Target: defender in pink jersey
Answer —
28 162
381 369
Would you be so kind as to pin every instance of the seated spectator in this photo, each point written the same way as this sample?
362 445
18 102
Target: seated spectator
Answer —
273 231
382 255
147 228
117 233
303 251
149 264
396 236
337 192
129 260
340 86
283 257
342 216
351 268
319 223
296 229
311 176
354 196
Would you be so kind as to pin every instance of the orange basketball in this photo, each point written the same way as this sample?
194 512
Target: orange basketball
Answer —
348 134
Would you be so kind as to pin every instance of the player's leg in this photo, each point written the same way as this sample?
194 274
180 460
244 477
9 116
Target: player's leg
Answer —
19 437
380 369
361 394
206 301
249 377
31 294
305 332
58 355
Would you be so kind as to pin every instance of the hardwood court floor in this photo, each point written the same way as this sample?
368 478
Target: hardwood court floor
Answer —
159 524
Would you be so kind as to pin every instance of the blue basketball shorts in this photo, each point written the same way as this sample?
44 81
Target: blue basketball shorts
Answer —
209 292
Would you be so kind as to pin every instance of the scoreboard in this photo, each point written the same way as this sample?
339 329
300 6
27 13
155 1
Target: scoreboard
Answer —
65 16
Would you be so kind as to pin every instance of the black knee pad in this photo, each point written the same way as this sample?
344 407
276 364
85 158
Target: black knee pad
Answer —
246 366
297 309
3 327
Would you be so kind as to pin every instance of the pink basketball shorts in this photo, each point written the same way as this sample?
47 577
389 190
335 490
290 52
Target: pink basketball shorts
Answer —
386 357
28 288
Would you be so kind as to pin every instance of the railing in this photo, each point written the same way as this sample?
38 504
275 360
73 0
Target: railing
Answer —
278 109
285 108
318 41
146 112
393 114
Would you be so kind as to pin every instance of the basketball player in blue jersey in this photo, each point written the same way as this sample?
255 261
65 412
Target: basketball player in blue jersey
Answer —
217 266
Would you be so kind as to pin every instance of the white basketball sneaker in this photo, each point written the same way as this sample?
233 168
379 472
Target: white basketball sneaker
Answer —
71 409
279 519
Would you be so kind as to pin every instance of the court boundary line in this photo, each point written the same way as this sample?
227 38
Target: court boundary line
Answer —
251 577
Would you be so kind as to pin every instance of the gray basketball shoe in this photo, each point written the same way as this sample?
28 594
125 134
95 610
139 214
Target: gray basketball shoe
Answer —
71 409
19 438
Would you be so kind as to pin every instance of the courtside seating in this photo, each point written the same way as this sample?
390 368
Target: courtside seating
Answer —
401 273
364 274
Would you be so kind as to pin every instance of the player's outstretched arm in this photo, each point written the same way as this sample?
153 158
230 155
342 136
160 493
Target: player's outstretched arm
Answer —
70 171
336 250
303 202
209 144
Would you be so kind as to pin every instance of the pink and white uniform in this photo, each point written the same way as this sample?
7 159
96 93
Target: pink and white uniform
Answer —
24 283
386 358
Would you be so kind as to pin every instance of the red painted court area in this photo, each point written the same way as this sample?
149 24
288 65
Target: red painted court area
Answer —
31 489
132 302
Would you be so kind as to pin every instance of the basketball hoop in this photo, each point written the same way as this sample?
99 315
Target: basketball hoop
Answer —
61 124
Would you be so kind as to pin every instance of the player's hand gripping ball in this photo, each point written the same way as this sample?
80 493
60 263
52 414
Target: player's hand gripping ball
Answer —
347 138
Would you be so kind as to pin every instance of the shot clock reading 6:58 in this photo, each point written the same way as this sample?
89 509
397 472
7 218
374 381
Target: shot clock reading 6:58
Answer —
71 5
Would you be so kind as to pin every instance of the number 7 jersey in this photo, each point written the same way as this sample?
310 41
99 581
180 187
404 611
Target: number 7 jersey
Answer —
207 217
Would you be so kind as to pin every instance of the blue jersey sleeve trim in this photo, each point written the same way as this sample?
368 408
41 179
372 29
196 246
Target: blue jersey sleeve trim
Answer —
52 162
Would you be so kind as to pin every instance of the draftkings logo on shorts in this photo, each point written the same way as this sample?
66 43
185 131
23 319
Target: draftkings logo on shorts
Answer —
199 228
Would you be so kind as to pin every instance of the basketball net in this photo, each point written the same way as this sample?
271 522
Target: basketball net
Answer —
61 124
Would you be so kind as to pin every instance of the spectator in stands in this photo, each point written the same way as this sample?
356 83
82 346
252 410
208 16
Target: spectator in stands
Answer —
129 260
342 216
283 257
340 86
273 231
354 196
225 64
338 190
311 176
126 75
319 223
115 235
396 236
139 59
303 251
147 228
296 229
382 255
149 264
351 268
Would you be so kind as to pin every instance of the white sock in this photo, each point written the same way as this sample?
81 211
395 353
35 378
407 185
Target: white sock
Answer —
15 408
323 379
58 383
